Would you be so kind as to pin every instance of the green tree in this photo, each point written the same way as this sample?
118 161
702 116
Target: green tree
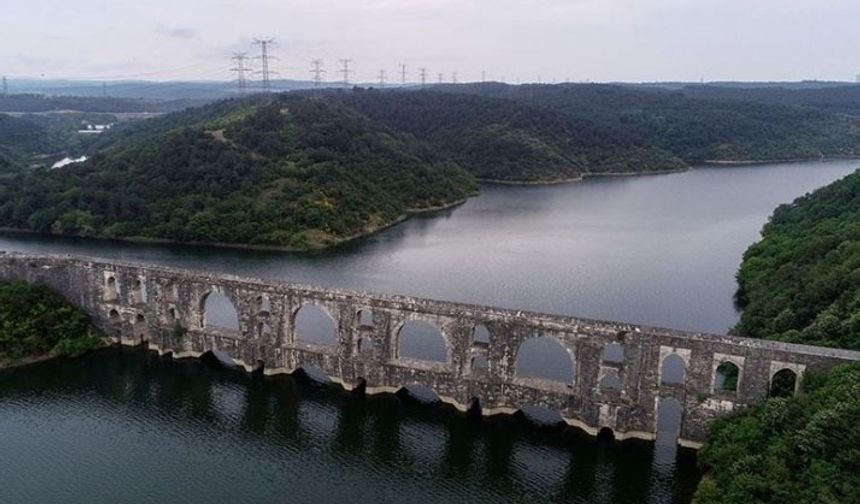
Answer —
35 321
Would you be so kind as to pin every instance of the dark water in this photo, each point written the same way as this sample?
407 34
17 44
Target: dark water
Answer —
126 426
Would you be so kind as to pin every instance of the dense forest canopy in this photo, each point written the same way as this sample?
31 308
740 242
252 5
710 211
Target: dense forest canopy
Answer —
284 171
801 282
500 139
551 132
843 98
803 450
33 103
311 169
692 126
35 321
32 139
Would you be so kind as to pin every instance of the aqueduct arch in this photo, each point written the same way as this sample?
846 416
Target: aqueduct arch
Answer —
610 381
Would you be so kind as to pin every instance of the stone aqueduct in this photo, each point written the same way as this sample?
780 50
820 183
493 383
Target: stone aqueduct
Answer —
164 307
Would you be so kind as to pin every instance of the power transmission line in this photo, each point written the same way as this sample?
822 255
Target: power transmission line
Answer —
403 73
264 59
345 71
381 77
5 87
423 77
317 70
104 89
453 77
441 77
240 69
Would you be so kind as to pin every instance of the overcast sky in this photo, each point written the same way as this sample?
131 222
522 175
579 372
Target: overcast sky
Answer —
577 40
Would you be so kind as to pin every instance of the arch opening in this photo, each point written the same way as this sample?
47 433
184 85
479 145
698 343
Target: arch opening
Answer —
541 415
479 362
364 317
264 330
610 380
314 325
219 358
606 434
141 330
726 377
613 353
138 293
313 374
546 358
110 288
421 340
474 409
113 315
260 368
480 335
673 370
171 292
360 387
171 313
783 383
264 304
219 312
419 393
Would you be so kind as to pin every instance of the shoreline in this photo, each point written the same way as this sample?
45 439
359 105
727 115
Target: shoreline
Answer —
580 178
409 212
754 162
37 359
27 361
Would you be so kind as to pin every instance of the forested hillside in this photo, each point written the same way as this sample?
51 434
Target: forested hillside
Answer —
8 159
499 139
39 139
802 450
36 321
32 103
304 170
694 128
287 171
843 99
801 282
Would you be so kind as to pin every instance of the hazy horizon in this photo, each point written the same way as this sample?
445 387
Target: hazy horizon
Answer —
543 40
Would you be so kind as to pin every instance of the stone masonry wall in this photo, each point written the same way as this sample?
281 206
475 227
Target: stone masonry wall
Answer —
164 307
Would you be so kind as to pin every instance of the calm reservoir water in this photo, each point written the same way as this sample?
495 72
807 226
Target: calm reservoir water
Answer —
127 426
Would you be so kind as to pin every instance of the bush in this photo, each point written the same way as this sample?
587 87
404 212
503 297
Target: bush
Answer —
35 321
801 450
801 282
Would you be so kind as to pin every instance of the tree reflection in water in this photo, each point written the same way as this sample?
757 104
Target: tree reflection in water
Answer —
213 431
